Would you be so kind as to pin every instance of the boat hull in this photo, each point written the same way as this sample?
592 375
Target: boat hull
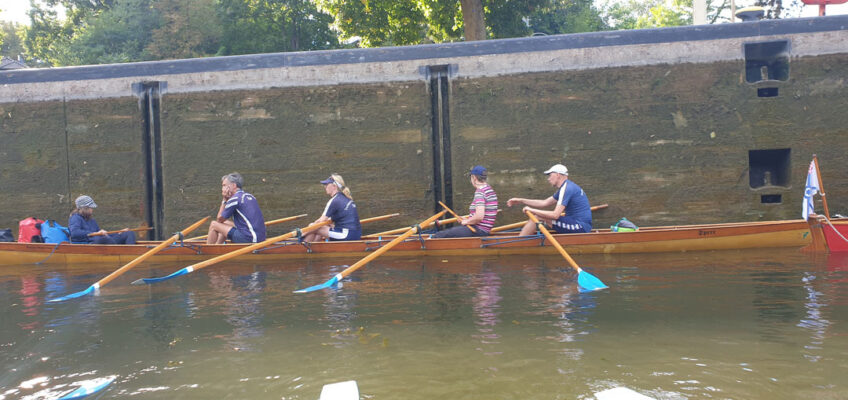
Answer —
768 234
835 235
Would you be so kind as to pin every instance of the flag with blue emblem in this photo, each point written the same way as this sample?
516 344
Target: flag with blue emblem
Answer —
810 190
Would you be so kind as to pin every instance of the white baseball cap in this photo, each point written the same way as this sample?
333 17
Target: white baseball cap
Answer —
559 168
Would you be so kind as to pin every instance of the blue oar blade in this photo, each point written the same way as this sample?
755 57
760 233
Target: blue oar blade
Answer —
589 282
88 388
90 290
149 281
332 282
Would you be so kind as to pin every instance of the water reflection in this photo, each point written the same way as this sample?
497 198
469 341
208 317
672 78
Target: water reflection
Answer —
242 305
340 309
508 327
814 321
486 308
30 299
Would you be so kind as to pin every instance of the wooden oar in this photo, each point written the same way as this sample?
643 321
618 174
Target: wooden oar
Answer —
587 281
232 254
248 249
402 230
520 224
378 218
458 218
96 286
269 223
349 270
143 228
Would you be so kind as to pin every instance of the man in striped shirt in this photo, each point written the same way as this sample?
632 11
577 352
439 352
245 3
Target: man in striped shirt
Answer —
483 209
248 224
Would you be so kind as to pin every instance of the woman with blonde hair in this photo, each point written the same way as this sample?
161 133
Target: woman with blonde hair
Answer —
341 210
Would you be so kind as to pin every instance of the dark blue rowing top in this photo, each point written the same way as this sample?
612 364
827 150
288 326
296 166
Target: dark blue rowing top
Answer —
343 212
576 203
81 227
244 209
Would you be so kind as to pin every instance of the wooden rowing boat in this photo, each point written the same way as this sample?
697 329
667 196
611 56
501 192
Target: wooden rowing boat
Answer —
834 233
743 235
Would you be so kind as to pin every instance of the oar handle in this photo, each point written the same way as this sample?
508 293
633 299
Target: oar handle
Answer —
150 253
553 241
269 223
256 246
458 218
378 218
144 228
286 219
401 230
518 224
387 246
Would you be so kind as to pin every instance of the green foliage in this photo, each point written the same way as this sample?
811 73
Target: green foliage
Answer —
388 22
505 19
404 22
635 14
12 45
673 13
188 29
443 20
118 34
109 31
47 38
567 16
261 26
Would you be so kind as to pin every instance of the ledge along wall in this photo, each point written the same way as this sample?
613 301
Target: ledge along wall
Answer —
669 126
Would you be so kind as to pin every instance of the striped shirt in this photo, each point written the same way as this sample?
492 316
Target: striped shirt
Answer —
486 197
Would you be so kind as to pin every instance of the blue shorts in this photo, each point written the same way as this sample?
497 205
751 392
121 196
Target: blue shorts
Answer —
236 236
337 233
568 224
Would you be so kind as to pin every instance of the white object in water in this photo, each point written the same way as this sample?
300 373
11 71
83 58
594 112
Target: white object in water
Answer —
621 393
340 391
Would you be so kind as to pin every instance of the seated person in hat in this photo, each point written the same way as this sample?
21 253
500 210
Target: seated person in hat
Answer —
248 224
341 210
81 223
483 209
569 197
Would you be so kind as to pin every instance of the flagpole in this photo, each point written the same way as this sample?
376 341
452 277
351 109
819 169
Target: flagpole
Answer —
821 187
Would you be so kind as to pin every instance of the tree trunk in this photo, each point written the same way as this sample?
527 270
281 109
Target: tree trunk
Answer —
472 18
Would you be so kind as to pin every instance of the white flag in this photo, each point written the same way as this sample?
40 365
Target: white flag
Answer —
810 190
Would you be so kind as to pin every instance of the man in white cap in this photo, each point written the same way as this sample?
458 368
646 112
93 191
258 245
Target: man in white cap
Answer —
569 197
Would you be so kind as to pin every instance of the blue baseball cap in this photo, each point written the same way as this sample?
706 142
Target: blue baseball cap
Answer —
478 170
328 181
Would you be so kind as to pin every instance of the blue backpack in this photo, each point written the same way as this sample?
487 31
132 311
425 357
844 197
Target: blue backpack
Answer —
52 232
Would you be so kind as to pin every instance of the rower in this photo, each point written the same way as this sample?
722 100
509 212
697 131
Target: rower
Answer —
248 224
341 210
569 197
483 209
82 223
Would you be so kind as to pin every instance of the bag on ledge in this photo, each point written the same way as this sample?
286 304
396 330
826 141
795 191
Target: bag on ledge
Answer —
623 225
29 231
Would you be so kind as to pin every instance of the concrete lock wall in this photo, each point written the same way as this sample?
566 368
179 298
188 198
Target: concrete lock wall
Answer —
668 126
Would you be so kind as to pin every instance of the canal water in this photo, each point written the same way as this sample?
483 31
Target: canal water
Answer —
767 324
